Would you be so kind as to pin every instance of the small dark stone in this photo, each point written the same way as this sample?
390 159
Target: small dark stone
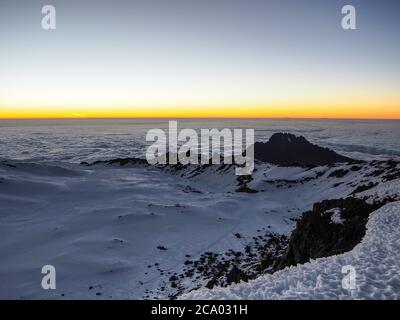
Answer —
173 278
340 173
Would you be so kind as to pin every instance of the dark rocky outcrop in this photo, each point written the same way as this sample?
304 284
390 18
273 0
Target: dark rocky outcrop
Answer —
212 269
316 235
118 161
243 184
365 187
286 149
236 275
340 173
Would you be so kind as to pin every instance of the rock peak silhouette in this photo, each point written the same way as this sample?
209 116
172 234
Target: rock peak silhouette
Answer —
286 149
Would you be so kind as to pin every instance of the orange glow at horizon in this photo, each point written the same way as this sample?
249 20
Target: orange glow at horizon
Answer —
351 111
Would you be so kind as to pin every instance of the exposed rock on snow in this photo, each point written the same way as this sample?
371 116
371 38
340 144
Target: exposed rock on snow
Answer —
316 236
119 161
384 191
221 269
376 262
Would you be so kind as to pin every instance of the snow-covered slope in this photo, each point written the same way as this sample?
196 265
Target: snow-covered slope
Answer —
376 261
105 228
135 231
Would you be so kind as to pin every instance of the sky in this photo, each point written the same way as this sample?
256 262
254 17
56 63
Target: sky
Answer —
192 58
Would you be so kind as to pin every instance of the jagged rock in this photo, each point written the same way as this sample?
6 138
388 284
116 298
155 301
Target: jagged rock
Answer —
236 275
316 236
286 149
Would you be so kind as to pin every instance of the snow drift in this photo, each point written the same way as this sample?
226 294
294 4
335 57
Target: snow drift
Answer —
376 261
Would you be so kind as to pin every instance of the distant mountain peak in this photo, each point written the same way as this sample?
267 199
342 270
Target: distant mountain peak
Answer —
286 138
287 149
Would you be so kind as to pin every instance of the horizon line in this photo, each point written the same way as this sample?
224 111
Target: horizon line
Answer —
204 117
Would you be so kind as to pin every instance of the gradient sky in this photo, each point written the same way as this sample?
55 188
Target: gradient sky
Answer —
228 58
